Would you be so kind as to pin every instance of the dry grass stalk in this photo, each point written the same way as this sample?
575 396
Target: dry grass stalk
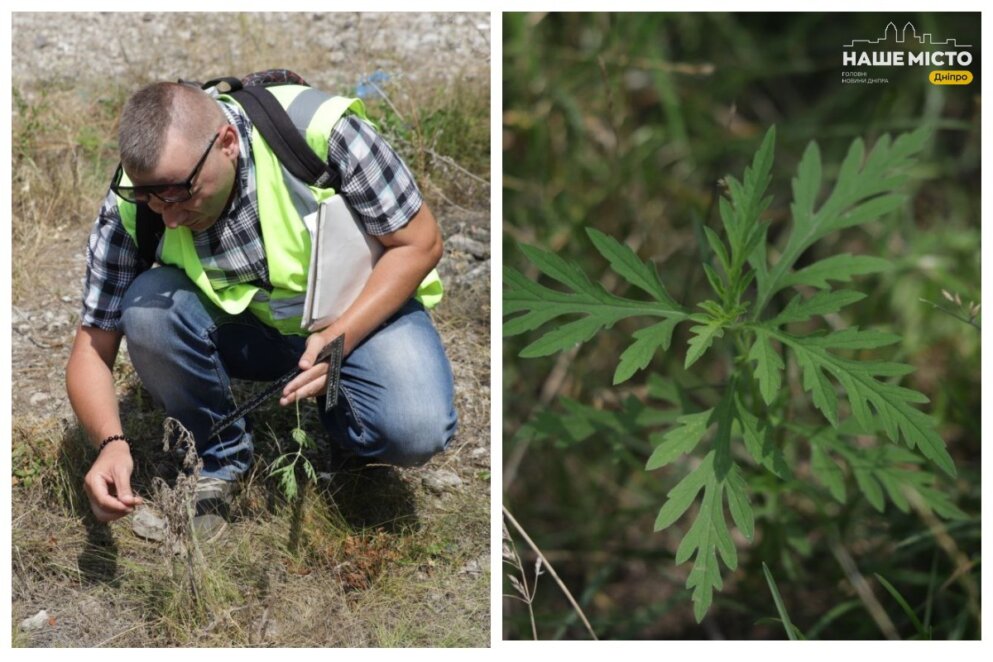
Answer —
542 560
176 505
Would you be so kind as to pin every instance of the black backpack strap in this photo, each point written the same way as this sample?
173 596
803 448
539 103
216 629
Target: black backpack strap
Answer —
148 232
278 129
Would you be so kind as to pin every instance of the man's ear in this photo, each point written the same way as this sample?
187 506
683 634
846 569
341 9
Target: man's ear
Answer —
230 144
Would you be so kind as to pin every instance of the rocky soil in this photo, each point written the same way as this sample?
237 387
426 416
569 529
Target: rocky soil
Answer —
422 47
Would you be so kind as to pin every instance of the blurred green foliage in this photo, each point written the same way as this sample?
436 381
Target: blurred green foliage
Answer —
626 123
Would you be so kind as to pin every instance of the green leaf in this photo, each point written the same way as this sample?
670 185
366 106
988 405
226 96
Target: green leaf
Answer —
740 215
891 403
739 505
822 303
863 191
759 443
717 246
680 440
840 268
703 338
684 493
806 185
288 482
870 210
552 265
768 366
708 536
853 338
564 337
300 436
599 309
826 470
716 283
629 267
880 472
647 342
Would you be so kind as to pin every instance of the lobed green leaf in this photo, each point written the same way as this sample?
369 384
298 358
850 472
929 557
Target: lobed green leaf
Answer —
646 343
840 268
630 267
768 366
680 440
822 303
565 337
599 309
759 443
681 497
703 338
863 191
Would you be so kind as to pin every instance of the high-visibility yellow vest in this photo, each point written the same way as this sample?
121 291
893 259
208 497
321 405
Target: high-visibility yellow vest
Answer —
283 201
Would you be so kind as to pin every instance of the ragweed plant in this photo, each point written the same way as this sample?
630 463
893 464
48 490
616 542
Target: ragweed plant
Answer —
755 414
284 467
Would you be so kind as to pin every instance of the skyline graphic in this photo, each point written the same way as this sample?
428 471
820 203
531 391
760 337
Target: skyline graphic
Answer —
903 36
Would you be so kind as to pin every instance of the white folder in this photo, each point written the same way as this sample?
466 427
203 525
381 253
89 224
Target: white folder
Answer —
342 256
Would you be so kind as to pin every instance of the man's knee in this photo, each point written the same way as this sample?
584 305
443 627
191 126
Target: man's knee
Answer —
154 306
414 438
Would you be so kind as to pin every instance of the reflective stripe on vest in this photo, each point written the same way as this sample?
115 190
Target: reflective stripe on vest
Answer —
283 202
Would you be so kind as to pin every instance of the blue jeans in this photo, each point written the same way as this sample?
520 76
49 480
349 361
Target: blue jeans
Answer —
395 403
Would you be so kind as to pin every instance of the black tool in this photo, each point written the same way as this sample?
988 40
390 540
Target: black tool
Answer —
332 353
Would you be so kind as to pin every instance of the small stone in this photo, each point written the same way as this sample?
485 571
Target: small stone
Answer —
476 567
35 622
67 299
460 242
441 481
41 41
479 274
40 398
147 524
93 609
480 456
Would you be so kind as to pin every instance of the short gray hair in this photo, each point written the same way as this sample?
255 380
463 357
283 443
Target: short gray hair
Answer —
153 110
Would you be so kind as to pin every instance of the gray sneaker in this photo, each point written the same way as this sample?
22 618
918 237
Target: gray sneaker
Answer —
213 507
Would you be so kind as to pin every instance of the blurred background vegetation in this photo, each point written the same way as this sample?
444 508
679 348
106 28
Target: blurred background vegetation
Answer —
625 122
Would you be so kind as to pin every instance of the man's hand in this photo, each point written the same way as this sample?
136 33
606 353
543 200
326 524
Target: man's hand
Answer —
313 380
108 483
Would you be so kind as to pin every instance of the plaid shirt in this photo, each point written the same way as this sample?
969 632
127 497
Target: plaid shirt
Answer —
374 180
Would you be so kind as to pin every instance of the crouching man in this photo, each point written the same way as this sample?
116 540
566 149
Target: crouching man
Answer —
223 296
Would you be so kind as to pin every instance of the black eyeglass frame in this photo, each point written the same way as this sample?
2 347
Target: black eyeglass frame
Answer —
132 193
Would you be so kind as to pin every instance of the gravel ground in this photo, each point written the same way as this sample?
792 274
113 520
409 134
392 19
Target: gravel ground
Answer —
420 47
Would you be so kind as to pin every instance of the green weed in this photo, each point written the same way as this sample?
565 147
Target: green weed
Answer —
627 123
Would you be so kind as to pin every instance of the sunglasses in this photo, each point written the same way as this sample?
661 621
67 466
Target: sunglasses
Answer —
165 192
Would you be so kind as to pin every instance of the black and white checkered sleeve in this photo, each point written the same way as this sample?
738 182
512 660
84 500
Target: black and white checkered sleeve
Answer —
375 180
112 264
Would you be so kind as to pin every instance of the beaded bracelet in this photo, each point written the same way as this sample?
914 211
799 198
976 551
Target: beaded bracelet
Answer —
114 437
